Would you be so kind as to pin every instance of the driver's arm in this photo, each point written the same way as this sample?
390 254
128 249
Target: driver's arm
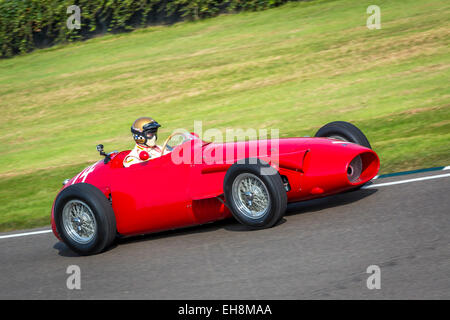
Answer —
133 157
130 160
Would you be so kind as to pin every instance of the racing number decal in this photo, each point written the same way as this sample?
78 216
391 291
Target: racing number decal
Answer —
83 174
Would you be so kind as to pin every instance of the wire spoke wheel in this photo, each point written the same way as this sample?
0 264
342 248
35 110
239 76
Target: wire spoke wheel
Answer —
84 219
255 195
251 196
79 221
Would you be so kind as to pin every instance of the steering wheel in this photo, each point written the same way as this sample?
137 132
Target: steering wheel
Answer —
166 146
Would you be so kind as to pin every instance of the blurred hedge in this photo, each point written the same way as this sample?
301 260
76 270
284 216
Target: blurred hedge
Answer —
29 24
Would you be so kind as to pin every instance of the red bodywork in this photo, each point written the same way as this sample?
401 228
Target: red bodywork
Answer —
159 194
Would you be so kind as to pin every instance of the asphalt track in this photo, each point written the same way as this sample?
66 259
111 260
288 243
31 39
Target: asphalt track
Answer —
321 250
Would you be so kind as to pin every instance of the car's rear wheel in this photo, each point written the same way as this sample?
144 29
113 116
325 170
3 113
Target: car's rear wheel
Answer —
344 131
255 194
84 219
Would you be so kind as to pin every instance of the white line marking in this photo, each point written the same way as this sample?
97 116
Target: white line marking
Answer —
24 234
406 181
446 168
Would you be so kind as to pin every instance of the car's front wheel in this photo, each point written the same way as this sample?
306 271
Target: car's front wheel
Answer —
255 194
84 219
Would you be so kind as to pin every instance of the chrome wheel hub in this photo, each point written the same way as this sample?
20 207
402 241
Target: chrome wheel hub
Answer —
250 196
79 221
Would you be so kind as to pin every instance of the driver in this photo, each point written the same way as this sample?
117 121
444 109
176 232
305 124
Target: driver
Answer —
144 132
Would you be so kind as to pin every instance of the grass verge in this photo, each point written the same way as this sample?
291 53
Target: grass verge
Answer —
295 68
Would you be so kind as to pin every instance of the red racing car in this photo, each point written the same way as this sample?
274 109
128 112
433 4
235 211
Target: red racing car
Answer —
198 182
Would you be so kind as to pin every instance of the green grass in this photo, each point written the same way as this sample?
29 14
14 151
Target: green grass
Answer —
294 68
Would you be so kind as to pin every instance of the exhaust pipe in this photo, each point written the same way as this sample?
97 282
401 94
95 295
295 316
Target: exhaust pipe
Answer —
362 168
354 169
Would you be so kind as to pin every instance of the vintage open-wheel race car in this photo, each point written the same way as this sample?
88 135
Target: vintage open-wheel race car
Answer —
196 182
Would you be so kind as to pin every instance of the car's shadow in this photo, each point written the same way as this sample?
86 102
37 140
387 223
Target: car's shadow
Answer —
312 206
63 250
233 225
328 202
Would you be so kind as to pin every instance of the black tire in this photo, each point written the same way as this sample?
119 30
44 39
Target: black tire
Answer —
346 131
274 187
100 207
